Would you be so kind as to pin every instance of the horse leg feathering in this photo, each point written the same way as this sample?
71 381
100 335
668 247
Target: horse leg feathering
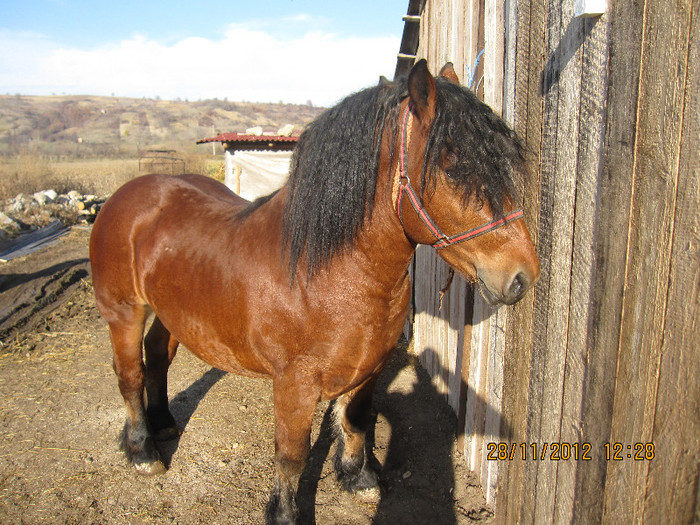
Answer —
352 419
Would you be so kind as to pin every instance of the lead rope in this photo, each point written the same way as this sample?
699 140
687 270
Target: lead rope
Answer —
446 288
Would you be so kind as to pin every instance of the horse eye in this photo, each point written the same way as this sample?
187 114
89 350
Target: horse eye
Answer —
448 159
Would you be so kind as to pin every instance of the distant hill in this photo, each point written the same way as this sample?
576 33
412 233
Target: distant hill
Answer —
98 127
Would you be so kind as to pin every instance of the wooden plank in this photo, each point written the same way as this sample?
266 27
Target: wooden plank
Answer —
572 427
476 404
541 316
458 33
493 54
561 85
509 44
410 318
547 361
513 409
471 35
440 30
465 389
672 484
481 345
505 434
494 398
448 36
610 247
458 297
493 96
436 30
661 92
592 38
446 335
423 46
473 23
473 349
422 293
527 121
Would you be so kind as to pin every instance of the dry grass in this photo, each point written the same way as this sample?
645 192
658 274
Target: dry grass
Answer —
215 169
101 177
29 174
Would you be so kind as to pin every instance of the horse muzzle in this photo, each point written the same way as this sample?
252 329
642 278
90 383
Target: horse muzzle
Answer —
510 293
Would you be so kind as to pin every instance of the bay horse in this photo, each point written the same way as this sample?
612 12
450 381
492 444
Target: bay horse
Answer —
310 285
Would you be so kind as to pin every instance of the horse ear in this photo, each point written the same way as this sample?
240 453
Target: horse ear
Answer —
448 72
421 90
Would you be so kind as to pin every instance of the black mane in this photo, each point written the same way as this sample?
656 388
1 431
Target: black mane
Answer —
334 169
333 176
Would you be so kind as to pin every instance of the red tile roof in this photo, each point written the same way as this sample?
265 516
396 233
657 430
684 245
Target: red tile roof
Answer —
242 137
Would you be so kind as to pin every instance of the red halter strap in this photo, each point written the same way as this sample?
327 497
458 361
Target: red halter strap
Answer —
443 241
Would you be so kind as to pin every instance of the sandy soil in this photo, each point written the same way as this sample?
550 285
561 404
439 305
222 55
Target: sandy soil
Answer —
61 413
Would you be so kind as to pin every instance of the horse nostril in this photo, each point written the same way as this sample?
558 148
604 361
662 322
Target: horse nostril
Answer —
518 287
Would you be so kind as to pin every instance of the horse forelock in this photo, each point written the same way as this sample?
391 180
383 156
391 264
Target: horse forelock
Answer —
489 152
334 168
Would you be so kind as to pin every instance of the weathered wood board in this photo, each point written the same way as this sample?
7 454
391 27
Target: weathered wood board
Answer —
605 351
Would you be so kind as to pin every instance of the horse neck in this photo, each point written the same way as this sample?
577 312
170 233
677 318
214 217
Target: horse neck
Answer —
386 249
381 248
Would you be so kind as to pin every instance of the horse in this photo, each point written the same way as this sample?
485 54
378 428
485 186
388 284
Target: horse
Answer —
310 286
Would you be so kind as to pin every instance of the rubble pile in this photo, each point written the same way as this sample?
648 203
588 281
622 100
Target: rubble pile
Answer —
30 212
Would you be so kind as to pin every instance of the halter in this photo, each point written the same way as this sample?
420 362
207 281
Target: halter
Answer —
405 188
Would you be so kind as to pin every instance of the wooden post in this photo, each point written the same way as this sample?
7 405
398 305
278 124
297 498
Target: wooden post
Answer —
228 166
237 179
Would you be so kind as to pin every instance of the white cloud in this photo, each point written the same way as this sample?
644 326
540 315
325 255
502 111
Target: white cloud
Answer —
245 64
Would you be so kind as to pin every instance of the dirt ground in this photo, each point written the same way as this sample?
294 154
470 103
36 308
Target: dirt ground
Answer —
61 414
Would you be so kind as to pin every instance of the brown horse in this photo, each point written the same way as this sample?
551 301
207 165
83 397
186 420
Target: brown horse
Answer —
309 286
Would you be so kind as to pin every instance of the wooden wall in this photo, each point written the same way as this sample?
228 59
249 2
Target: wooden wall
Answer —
607 347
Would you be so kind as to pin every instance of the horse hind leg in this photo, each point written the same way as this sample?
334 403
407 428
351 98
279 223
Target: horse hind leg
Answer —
352 419
160 348
126 325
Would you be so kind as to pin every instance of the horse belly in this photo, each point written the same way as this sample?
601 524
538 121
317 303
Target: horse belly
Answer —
225 355
205 315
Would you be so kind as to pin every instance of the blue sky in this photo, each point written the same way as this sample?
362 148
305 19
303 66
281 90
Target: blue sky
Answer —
267 51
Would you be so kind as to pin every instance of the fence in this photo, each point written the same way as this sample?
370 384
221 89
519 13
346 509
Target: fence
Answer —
605 351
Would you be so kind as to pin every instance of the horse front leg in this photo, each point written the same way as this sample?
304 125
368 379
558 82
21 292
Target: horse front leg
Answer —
126 324
352 419
295 399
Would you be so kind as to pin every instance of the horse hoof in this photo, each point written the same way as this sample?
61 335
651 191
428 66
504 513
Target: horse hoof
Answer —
150 469
366 480
368 496
281 510
353 479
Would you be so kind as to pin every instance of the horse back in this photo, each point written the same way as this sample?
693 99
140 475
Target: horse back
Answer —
147 217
